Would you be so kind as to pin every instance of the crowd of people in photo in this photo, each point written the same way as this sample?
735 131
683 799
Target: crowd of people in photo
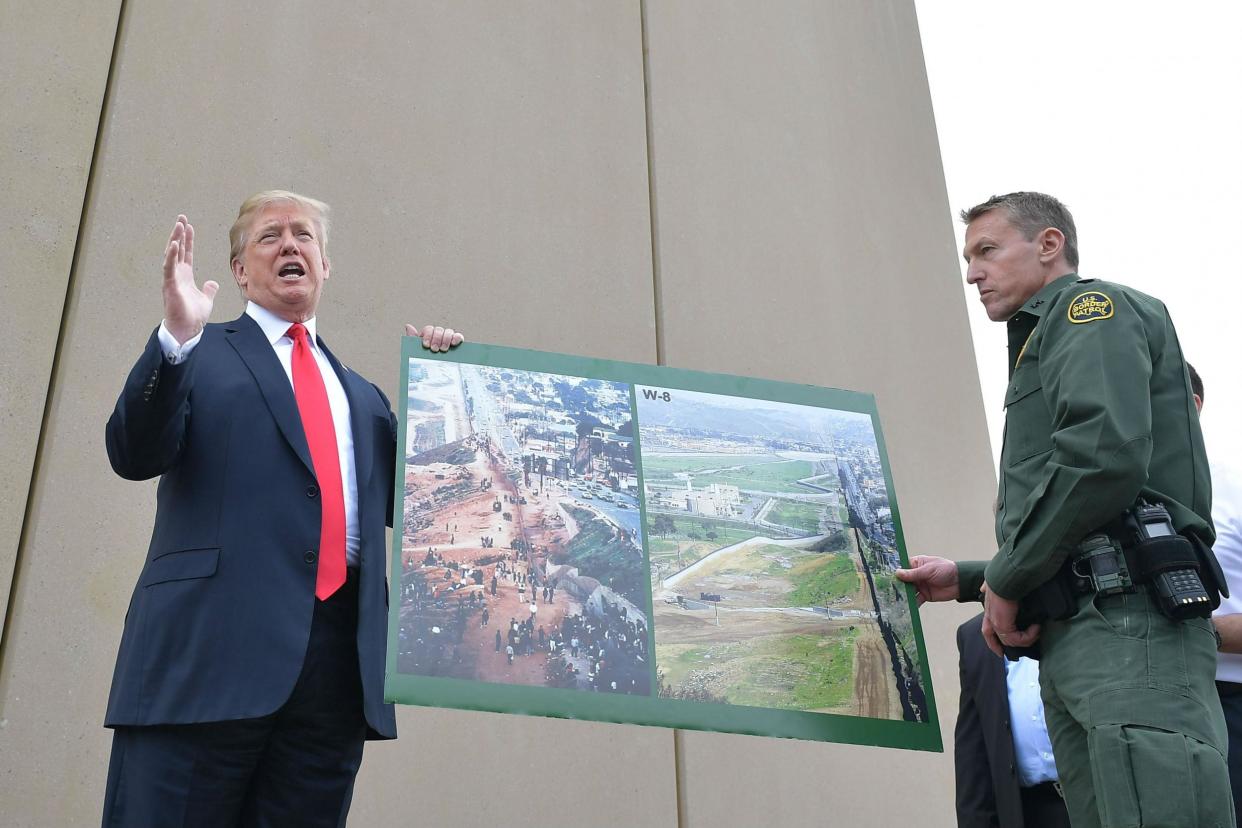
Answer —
602 647
612 647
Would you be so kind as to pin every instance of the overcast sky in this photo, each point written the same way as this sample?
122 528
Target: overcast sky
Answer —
1131 114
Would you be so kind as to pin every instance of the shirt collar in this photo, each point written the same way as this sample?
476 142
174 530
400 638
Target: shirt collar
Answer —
273 326
1038 303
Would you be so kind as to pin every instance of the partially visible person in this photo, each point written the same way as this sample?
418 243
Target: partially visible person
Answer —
1227 517
251 665
1006 776
1099 420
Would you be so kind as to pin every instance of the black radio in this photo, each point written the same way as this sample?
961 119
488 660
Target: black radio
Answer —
1169 562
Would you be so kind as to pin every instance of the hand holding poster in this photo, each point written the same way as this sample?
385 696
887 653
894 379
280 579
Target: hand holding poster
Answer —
628 543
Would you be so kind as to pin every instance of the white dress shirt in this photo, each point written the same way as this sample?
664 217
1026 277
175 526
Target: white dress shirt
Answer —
1032 749
1227 516
275 329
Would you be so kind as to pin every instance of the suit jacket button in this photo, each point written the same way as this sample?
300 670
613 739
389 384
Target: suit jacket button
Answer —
309 557
312 490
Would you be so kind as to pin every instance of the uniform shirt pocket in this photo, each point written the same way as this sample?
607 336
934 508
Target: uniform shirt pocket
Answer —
1028 423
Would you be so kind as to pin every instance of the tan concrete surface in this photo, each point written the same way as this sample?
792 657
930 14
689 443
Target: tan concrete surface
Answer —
504 770
487 167
804 235
54 56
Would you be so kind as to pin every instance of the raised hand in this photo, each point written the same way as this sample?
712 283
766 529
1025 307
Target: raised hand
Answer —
186 308
436 338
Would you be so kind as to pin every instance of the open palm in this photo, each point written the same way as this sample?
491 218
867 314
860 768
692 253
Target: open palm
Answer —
186 308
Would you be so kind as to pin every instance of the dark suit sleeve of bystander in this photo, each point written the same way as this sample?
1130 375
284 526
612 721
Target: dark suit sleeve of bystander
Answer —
976 800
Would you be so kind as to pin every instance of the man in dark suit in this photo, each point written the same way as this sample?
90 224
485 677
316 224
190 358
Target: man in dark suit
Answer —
996 784
251 666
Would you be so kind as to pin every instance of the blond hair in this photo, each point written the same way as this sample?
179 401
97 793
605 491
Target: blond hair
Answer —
258 201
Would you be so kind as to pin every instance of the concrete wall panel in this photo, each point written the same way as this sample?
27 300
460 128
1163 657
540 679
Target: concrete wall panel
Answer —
502 770
58 52
487 164
487 167
803 235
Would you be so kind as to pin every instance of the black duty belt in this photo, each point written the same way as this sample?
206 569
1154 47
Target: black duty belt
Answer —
1141 548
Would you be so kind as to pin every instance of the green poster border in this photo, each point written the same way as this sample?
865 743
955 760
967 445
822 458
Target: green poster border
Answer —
642 710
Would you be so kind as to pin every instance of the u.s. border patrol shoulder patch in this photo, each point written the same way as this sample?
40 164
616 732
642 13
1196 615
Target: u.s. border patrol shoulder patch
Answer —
1090 306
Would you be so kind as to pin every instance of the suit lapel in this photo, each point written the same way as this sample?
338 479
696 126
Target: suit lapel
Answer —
247 338
357 413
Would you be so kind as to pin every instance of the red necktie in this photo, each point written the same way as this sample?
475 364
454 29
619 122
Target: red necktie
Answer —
312 399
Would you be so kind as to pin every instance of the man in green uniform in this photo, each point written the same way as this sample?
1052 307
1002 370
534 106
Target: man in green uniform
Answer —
1098 414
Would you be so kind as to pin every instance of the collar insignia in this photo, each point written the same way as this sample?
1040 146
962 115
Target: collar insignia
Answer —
1090 306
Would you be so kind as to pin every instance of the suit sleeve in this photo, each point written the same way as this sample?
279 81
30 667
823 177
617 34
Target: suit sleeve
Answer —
146 432
1095 379
392 476
976 801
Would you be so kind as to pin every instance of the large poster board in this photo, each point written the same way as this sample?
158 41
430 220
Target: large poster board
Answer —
629 543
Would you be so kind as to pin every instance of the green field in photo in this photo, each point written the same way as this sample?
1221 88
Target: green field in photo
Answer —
799 516
821 579
765 477
797 672
664 467
753 472
690 541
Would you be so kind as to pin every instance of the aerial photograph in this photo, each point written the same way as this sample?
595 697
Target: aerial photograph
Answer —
771 552
521 545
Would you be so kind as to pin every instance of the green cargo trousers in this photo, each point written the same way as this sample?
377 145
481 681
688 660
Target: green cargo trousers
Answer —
1136 724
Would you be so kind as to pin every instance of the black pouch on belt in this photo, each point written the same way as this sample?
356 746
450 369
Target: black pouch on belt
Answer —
1209 569
1180 573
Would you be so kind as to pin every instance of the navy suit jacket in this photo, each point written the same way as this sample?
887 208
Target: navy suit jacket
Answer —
220 618
987 776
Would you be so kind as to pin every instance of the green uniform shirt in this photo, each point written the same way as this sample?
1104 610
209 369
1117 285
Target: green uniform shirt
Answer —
1098 412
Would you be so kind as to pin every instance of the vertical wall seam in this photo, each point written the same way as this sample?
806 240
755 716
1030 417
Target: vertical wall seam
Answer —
23 534
652 207
679 772
658 306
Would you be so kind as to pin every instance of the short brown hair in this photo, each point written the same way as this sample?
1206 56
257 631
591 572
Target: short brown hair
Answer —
1032 213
